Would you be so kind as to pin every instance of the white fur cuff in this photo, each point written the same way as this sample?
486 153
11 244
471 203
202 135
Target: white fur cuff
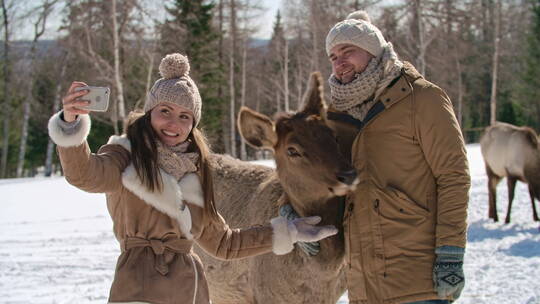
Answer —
72 140
121 140
281 239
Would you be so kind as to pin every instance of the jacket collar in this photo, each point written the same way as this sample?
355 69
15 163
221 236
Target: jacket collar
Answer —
401 88
396 91
169 201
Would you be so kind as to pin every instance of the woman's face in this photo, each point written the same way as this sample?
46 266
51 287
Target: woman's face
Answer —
171 122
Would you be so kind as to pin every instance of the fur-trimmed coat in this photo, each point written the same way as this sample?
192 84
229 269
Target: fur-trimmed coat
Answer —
155 230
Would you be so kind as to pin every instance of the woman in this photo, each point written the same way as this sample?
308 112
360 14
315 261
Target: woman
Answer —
159 193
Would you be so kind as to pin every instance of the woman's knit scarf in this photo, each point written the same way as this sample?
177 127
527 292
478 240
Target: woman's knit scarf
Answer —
175 160
358 96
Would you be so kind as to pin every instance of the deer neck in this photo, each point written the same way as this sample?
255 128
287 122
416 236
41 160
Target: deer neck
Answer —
316 200
308 202
332 250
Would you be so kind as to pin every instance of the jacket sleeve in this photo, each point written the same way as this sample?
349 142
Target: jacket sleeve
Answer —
443 146
98 173
222 242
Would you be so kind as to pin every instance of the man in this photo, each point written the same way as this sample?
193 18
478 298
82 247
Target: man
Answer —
405 224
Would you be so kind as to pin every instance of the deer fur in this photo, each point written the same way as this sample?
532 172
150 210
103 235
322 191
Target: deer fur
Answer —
511 152
310 172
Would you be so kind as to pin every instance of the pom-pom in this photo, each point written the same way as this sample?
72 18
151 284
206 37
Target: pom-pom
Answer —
359 15
174 66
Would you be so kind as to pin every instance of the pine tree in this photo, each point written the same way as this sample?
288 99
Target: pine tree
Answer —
528 92
275 65
190 31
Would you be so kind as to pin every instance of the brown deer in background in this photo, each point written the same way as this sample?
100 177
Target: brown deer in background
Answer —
310 174
511 152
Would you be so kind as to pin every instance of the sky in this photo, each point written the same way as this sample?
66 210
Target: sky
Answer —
58 245
23 29
269 15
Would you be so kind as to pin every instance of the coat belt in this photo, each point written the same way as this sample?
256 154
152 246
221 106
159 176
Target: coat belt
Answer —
164 250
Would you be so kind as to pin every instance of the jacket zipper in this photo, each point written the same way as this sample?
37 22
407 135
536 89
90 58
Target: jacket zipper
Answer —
349 219
376 205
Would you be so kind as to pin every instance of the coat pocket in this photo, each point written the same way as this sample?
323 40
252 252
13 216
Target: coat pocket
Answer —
406 204
406 227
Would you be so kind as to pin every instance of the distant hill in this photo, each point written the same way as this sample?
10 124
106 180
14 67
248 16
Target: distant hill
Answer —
258 42
21 47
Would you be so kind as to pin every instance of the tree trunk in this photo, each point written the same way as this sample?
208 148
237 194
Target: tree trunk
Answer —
39 29
258 96
243 152
495 64
150 70
151 58
221 94
117 71
56 107
24 137
315 36
286 75
452 47
232 91
6 83
299 79
421 57
299 88
460 90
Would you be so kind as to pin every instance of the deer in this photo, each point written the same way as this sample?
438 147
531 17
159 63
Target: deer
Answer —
312 176
512 152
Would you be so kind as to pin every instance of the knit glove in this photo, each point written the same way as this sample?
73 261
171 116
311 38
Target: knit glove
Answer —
288 232
302 229
448 277
309 248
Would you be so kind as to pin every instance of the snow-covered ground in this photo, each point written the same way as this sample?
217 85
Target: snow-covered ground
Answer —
57 246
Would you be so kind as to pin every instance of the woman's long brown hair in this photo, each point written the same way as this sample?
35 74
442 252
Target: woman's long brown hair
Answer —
200 144
143 138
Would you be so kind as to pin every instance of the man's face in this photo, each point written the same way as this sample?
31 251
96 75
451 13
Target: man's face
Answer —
348 60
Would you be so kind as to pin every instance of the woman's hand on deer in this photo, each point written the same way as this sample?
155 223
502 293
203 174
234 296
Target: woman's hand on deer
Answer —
303 229
72 104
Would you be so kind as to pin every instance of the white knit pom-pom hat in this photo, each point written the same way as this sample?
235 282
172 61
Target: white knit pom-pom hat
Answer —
357 30
175 87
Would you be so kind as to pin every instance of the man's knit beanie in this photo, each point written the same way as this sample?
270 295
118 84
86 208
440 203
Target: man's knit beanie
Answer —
357 30
175 87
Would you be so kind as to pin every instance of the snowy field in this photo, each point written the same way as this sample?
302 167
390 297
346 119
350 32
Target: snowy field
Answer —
57 246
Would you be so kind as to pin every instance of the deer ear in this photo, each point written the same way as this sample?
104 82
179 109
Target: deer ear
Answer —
257 129
313 101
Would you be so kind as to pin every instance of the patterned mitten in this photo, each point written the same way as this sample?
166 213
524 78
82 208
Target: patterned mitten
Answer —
448 277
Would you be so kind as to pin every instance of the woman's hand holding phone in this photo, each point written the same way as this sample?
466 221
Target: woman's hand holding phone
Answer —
72 105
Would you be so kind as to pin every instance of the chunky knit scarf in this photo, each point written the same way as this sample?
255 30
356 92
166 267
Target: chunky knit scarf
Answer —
175 161
359 95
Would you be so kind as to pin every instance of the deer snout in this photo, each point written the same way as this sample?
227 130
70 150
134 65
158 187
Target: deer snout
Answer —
347 177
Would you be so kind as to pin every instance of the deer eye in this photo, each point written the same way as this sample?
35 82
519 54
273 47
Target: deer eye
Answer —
292 152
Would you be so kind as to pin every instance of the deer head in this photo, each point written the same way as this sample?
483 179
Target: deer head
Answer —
308 161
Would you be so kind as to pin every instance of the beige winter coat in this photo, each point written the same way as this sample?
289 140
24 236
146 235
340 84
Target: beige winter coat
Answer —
412 196
156 264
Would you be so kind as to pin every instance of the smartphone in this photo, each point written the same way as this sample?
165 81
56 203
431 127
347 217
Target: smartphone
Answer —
97 96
